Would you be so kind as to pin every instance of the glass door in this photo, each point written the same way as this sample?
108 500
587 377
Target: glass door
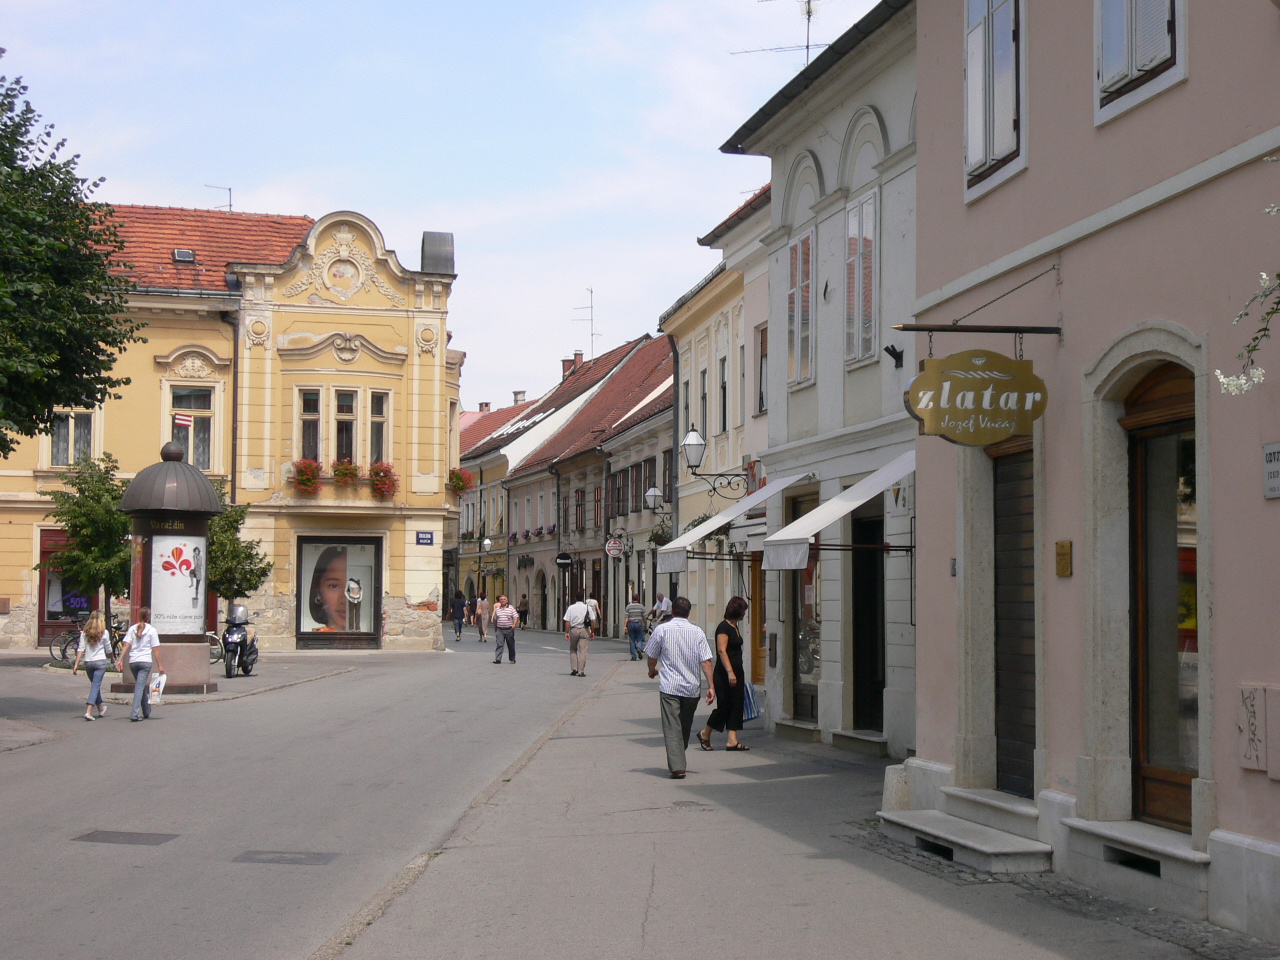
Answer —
806 627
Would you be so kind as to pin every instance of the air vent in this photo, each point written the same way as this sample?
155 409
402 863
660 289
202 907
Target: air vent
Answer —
184 256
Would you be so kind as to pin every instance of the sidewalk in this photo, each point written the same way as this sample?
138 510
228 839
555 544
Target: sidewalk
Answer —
590 851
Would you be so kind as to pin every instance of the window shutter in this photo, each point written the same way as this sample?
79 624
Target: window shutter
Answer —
666 475
1152 39
1004 81
975 96
1113 43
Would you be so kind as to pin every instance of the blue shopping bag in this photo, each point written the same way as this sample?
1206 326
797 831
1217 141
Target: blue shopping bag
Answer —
750 705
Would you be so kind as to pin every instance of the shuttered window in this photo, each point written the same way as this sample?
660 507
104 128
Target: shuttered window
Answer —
992 59
1136 43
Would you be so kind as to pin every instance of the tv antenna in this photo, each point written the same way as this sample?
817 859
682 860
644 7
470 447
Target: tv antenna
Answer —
808 9
591 319
223 206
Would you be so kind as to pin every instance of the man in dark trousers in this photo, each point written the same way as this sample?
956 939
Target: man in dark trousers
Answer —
677 652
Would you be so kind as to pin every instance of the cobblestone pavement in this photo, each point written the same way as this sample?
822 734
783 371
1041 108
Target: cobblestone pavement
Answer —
1199 937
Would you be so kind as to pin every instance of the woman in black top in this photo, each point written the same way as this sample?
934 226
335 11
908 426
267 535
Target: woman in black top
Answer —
728 678
459 612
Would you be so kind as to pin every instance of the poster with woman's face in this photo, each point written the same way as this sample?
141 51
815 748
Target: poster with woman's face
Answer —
336 588
177 584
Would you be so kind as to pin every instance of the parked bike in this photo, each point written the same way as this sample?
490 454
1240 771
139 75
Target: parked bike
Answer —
239 641
62 648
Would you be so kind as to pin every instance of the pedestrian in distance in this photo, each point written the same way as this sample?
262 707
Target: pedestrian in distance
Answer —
635 627
522 608
661 611
577 630
678 651
505 619
471 611
94 650
458 610
142 648
728 678
597 619
483 610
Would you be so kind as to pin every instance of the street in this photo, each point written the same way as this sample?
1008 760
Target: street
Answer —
588 851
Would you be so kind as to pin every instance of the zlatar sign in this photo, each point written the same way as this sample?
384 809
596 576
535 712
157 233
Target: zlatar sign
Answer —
976 397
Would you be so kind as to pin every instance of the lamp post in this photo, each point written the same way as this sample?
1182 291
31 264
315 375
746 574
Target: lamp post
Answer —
731 486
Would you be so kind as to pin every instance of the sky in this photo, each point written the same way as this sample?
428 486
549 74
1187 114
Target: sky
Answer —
567 145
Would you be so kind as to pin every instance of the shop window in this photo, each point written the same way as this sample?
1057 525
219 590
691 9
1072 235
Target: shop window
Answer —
344 425
338 586
71 439
378 403
992 52
860 281
800 339
806 626
192 414
309 401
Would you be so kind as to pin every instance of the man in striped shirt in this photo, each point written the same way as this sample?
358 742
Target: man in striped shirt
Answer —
677 651
505 619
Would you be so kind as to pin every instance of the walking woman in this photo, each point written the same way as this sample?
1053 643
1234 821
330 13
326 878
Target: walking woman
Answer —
94 651
141 646
458 609
728 678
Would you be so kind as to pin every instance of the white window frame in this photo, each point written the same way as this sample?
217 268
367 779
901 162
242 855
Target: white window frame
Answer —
353 418
742 384
797 374
853 274
722 395
994 172
1167 77
95 438
322 434
385 420
216 406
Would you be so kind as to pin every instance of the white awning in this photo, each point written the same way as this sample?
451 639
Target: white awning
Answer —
788 549
672 558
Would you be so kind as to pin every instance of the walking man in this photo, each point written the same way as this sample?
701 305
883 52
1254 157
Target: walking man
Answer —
635 627
505 619
677 650
577 630
482 613
661 611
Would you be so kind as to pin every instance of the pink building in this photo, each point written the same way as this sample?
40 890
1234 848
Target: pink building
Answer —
1098 679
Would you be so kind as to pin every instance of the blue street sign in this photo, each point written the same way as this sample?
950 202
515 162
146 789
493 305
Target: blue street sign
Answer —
426 538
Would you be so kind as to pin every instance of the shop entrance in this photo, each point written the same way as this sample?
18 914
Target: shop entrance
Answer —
61 601
1015 638
806 626
1160 419
868 625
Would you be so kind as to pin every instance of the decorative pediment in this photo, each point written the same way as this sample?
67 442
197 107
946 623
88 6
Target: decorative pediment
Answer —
192 362
343 269
347 347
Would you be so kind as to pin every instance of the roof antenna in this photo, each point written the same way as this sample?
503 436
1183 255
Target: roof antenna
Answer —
227 205
590 318
809 8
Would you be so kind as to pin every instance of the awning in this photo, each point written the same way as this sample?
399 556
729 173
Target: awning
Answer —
672 558
788 549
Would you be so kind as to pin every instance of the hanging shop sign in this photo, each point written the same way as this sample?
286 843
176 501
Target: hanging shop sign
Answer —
976 397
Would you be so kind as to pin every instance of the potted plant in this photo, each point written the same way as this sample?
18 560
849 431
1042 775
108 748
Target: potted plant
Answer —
551 530
383 479
538 532
306 475
460 481
660 534
345 473
513 537
525 535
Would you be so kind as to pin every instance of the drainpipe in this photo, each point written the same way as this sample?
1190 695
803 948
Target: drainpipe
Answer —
562 575
233 320
674 589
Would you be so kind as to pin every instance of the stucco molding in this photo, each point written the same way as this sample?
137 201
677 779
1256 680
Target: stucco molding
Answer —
867 126
805 168
347 347
343 253
194 361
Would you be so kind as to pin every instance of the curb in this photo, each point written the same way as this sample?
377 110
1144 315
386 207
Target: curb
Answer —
217 697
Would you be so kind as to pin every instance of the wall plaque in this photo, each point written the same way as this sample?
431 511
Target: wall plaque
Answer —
976 398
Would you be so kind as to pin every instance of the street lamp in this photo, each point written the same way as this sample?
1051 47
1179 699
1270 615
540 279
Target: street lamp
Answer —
486 544
694 447
731 486
653 499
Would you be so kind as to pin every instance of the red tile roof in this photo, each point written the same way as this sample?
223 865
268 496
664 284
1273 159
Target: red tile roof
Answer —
569 389
482 425
642 373
663 401
217 237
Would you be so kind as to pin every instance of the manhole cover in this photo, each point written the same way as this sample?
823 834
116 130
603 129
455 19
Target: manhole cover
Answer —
294 857
138 839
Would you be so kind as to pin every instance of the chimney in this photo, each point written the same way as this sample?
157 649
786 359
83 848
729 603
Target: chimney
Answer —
517 397
485 407
577 359
566 368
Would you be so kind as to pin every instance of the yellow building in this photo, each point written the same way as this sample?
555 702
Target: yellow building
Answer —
272 341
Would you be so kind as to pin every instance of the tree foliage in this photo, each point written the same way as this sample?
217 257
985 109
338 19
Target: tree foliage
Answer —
236 566
1267 302
62 309
98 533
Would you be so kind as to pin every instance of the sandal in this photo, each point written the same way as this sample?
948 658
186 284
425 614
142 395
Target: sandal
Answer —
738 746
677 775
706 744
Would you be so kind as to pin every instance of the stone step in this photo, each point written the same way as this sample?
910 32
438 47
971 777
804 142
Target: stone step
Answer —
871 742
995 809
966 842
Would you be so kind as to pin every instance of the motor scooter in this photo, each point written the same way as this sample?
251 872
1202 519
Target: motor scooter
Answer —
240 641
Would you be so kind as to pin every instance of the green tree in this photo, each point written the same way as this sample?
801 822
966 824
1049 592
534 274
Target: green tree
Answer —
236 566
89 510
62 309
1267 301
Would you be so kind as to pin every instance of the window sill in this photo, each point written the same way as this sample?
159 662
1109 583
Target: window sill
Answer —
762 413
795 386
997 179
858 363
1136 98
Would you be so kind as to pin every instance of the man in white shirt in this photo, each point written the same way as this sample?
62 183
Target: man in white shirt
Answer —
505 619
661 610
141 645
577 630
680 657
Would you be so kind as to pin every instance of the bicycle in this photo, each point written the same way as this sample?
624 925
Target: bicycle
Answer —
216 650
68 642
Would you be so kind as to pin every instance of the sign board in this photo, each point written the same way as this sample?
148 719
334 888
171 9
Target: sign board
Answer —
976 397
1271 470
613 547
564 561
178 584
426 538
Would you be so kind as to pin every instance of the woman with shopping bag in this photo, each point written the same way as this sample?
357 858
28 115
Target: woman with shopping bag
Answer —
142 648
729 679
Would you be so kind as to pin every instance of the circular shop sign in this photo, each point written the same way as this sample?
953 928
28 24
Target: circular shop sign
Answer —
613 547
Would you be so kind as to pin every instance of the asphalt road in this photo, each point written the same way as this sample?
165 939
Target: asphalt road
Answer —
370 768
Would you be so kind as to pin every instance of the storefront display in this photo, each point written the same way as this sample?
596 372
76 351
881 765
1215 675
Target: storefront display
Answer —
338 589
